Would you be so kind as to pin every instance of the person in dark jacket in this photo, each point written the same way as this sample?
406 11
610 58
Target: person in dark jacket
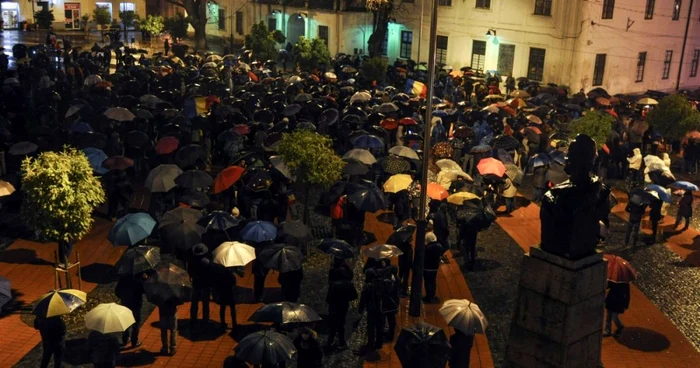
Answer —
402 209
130 291
224 282
371 302
405 265
433 252
636 212
539 182
53 339
616 302
341 292
290 283
104 349
309 353
119 191
467 243
259 275
390 296
198 269
339 270
655 217
461 349
168 322
685 210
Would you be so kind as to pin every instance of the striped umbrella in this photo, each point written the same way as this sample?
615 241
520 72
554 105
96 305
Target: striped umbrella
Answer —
59 302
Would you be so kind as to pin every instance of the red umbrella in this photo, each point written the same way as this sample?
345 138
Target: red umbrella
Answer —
252 76
693 135
408 121
612 112
535 129
389 124
491 166
603 101
166 145
437 192
535 119
241 129
619 270
227 177
118 163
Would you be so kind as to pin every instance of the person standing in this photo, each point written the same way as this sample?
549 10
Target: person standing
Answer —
371 302
130 291
104 349
225 291
636 212
433 252
405 265
290 283
166 46
168 323
634 164
655 217
509 191
616 302
53 339
685 210
461 349
341 292
309 353
390 296
201 288
467 243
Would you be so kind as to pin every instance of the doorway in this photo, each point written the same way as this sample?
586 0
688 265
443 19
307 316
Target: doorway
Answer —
72 13
10 15
296 27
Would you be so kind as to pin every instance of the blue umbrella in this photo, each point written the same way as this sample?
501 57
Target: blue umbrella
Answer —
558 157
482 148
685 185
538 160
259 231
367 141
503 156
131 229
5 291
663 194
81 128
96 157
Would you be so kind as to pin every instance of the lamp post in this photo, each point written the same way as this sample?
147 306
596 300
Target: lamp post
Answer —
414 308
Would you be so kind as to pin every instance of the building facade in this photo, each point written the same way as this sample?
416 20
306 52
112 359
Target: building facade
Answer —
67 13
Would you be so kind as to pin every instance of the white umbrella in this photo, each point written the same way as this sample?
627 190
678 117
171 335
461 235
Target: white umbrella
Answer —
233 254
388 107
362 96
464 316
109 318
92 80
214 58
73 110
294 79
535 119
119 114
210 64
403 151
519 93
245 66
452 169
330 76
22 148
6 188
361 155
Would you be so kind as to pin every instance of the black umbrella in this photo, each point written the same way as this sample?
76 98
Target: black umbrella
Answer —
267 348
179 228
194 198
137 138
661 178
264 116
401 235
291 110
394 165
337 248
367 198
353 168
219 220
281 257
285 312
297 230
422 346
138 259
477 214
506 142
170 284
193 179
189 155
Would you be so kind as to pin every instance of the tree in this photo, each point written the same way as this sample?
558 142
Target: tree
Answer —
382 10
311 159
152 24
278 36
595 124
177 26
44 18
60 192
129 18
310 55
261 42
84 20
197 17
374 69
101 16
673 117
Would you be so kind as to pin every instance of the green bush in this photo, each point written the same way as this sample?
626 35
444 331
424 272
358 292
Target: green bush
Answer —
673 117
374 69
101 16
44 18
177 26
261 42
595 124
310 55
153 24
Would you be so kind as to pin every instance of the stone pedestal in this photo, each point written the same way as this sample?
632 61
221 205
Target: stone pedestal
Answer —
558 317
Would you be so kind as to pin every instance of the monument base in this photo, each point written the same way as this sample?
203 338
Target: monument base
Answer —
558 320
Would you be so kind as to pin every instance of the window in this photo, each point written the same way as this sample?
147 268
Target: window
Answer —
667 64
222 19
239 22
385 43
272 23
406 44
543 7
478 55
676 9
599 69
535 65
483 4
445 2
608 9
694 63
649 11
641 63
441 50
506 55
127 7
323 34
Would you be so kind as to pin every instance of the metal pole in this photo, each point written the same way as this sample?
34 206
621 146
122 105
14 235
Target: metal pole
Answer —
420 29
414 308
685 40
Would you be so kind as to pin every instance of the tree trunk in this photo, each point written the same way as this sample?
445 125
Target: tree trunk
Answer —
200 35
381 22
197 12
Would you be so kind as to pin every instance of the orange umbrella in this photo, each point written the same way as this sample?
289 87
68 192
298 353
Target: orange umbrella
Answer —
535 129
619 269
603 101
693 135
437 192
491 166
612 112
227 177
118 163
389 124
252 76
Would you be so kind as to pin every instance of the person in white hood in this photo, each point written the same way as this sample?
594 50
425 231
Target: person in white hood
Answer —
666 159
635 163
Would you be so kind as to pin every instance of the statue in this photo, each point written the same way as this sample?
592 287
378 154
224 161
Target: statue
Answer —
571 211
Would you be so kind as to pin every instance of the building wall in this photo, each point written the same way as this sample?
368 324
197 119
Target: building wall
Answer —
60 7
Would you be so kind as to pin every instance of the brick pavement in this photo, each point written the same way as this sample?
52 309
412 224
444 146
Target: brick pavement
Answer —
651 339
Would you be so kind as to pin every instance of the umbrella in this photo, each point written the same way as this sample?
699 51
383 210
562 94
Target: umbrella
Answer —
355 168
394 165
80 127
387 107
22 148
278 164
519 94
367 198
558 157
109 318
437 192
292 109
59 302
684 185
443 150
73 110
5 292
266 348
219 220
162 178
422 346
602 101
476 213
647 101
179 228
662 177
389 124
118 163
408 121
233 254
403 151
131 229
259 231
360 97
460 197
6 188
297 230
193 179
619 270
170 284
397 183
337 248
361 155
401 235
464 315
227 177
514 173
491 166
119 114
285 312
166 145
660 191
534 119
194 198
481 148
368 141
96 157
138 259
381 251
506 142
281 257
539 160
188 155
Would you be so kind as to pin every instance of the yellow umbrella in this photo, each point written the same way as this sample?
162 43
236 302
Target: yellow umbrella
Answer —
6 188
647 101
59 302
397 183
460 197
